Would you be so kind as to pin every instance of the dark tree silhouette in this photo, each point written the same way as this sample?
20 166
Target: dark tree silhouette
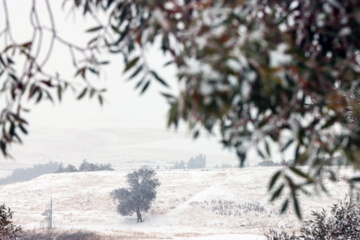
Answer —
139 196
7 229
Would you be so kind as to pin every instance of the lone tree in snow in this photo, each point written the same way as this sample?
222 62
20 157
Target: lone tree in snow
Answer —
139 196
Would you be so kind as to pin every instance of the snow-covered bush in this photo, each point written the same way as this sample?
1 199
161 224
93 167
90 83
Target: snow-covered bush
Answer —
229 208
343 223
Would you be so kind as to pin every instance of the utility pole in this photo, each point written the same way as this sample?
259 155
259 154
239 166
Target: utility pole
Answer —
50 220
48 215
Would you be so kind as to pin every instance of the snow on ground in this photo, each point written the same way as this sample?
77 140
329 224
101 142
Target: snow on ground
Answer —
189 204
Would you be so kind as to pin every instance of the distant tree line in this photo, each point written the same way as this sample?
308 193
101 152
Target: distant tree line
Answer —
85 167
24 174
198 161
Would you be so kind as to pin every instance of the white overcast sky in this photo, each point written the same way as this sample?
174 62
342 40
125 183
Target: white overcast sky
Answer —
68 132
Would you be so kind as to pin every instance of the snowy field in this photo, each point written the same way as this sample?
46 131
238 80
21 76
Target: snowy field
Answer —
195 204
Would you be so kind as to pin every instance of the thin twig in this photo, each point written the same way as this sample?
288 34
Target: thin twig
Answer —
53 36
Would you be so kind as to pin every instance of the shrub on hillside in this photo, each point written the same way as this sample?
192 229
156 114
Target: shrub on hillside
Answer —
229 208
7 229
25 174
343 223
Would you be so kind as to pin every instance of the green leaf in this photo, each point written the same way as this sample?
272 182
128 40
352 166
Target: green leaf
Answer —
82 94
59 92
93 70
355 179
27 44
81 71
167 95
115 29
332 176
94 29
10 61
267 148
145 87
131 63
169 63
48 95
136 72
3 147
92 91
100 98
260 153
17 137
19 119
2 60
242 156
12 130
92 40
196 134
301 174
274 179
139 83
284 206
277 193
40 94
157 77
287 145
13 76
296 205
23 129
173 114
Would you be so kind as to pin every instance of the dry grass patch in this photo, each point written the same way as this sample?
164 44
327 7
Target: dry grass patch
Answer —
137 235
188 234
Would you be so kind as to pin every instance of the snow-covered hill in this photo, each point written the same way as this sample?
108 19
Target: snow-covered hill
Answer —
212 204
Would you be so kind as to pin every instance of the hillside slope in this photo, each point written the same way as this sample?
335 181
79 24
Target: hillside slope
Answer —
189 203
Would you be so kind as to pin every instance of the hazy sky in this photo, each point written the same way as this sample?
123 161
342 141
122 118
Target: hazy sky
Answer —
127 127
